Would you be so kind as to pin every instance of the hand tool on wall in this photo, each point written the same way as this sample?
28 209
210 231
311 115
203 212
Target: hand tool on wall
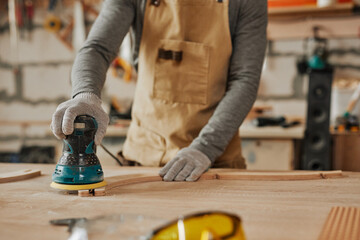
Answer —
122 68
52 22
79 168
268 121
29 15
274 121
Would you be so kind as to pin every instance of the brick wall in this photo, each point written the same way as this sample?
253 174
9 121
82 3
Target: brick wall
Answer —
43 81
282 87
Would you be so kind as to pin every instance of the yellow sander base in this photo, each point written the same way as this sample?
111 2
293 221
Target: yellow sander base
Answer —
77 187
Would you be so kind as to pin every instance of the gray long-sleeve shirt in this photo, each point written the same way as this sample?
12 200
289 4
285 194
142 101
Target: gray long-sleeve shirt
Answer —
248 22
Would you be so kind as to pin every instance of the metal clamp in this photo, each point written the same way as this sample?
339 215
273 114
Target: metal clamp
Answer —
170 55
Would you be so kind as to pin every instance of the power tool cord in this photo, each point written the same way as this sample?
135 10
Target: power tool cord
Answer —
116 159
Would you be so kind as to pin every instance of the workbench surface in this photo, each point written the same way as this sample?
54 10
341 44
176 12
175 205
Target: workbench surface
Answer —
269 209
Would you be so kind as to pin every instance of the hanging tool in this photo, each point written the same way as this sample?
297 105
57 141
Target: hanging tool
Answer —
79 168
52 22
120 67
29 15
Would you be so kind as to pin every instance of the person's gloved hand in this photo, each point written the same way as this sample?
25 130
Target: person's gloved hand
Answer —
188 165
83 104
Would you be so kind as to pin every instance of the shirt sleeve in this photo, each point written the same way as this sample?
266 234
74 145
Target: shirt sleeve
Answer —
249 45
102 46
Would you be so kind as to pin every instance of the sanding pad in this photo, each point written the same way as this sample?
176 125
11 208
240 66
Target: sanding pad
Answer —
77 187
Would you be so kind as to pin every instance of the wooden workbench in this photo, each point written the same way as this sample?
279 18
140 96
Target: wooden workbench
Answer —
269 209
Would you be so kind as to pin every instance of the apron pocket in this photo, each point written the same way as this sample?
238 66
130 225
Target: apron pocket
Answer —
182 79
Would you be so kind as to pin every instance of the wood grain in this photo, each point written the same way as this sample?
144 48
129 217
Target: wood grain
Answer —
19 175
272 176
226 174
270 210
118 181
343 223
278 175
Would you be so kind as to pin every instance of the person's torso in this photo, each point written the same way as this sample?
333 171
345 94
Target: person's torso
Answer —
184 58
137 26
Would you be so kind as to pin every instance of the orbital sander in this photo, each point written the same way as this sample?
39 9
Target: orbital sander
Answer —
79 168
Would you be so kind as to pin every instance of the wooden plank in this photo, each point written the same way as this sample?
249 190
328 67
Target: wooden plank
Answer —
19 175
278 176
331 174
342 223
224 174
92 192
118 181
272 176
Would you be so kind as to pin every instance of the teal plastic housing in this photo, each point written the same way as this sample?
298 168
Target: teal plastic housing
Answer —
78 174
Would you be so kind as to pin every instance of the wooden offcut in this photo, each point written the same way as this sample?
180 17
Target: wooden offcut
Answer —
19 175
92 192
342 223
226 174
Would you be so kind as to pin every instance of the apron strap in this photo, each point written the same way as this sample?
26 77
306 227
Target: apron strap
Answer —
170 55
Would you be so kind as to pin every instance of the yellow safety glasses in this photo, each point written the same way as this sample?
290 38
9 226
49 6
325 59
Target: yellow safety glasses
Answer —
202 226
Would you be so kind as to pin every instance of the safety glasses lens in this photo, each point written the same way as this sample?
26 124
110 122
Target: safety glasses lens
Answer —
203 227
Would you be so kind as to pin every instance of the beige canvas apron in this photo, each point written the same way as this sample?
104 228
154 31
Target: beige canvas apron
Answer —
183 64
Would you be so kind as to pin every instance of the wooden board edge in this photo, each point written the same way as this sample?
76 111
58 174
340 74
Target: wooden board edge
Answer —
135 180
279 176
274 177
19 175
331 174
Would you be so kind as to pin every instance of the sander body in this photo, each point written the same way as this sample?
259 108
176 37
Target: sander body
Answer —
79 167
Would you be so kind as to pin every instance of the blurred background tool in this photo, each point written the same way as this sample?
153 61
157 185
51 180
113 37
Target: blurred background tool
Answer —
52 22
348 122
274 121
122 68
354 99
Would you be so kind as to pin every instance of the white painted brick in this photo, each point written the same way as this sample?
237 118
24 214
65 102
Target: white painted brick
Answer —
10 146
43 47
292 46
28 131
47 82
38 131
345 60
294 107
7 81
343 43
9 130
114 86
277 76
5 51
26 112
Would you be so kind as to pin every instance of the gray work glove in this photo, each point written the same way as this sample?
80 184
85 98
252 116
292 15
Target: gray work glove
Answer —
83 104
188 165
